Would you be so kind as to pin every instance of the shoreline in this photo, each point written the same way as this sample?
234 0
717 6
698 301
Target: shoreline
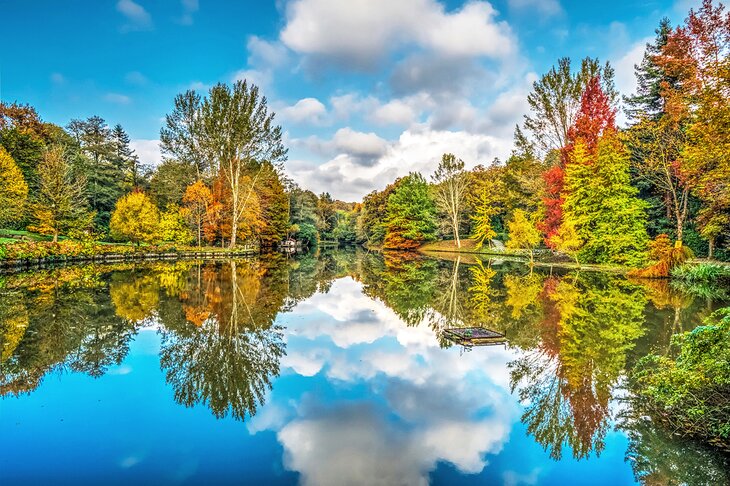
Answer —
9 266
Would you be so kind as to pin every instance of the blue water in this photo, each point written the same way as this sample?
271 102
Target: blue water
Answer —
360 398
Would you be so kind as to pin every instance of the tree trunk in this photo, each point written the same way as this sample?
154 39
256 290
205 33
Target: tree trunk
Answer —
55 236
234 230
199 226
712 247
456 234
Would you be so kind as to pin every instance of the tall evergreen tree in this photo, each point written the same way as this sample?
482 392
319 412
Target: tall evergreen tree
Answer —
104 177
602 205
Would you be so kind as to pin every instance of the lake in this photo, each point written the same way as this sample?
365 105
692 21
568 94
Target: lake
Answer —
336 368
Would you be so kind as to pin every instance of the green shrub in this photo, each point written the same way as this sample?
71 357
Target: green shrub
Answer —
702 273
690 393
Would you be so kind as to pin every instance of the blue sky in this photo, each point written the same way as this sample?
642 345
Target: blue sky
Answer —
366 90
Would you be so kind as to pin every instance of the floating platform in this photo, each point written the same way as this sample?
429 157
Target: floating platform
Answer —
474 336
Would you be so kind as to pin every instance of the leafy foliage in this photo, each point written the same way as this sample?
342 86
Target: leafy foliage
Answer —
690 393
135 219
13 189
411 214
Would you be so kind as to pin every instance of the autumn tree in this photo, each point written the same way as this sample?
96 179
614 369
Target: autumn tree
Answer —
411 214
135 218
603 206
371 223
13 189
173 226
567 240
596 115
60 203
656 138
697 56
197 199
556 99
450 185
232 129
326 215
523 235
169 181
486 199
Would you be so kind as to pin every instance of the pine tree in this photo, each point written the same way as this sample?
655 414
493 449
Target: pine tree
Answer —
104 177
602 205
61 203
124 157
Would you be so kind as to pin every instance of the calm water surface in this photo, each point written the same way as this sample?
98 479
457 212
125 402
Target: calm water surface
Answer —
335 369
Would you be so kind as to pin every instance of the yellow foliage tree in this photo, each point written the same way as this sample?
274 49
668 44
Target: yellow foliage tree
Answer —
197 200
13 189
135 219
522 233
60 205
567 240
173 227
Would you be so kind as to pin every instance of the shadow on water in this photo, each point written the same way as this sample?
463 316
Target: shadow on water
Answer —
574 335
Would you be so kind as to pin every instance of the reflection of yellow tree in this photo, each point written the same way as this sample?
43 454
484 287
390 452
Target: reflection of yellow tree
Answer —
13 323
70 324
522 293
135 298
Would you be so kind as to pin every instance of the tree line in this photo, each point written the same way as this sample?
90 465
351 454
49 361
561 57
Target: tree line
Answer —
577 183
221 180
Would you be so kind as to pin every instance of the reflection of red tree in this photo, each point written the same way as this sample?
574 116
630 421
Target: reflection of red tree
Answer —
588 403
550 324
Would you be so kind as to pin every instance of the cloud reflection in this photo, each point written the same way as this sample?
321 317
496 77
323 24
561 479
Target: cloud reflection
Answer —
423 404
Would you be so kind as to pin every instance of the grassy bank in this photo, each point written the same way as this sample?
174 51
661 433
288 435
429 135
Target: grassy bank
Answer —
448 250
16 253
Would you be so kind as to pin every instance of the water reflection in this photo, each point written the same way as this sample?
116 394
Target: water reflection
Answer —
395 401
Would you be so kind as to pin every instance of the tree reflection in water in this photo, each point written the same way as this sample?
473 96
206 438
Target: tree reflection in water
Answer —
229 351
574 335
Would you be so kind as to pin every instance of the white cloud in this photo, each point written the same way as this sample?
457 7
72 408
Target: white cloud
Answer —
261 78
361 33
306 110
57 78
624 67
417 149
359 144
117 98
263 52
189 8
432 405
137 17
136 78
148 151
546 8
396 112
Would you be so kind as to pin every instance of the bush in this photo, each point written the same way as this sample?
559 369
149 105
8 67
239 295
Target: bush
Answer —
690 394
702 273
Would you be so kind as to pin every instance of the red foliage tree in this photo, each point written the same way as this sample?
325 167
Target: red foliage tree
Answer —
596 116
